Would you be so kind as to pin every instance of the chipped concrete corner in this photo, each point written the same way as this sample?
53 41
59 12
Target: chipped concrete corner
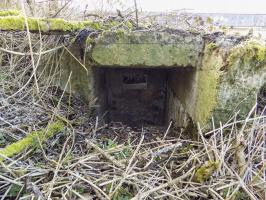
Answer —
205 76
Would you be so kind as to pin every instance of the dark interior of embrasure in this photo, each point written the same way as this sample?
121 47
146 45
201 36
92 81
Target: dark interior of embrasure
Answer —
138 96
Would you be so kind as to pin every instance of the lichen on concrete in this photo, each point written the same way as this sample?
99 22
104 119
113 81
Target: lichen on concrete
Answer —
211 46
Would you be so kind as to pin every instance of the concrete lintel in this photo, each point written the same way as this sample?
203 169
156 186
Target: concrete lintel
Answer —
148 49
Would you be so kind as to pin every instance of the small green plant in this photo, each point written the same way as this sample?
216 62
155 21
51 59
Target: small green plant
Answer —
122 193
68 157
239 195
2 139
80 190
111 144
14 190
125 153
212 46
209 20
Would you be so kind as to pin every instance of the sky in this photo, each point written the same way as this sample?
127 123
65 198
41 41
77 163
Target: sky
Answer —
231 6
221 6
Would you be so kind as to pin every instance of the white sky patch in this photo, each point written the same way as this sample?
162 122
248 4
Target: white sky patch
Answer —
228 6
220 6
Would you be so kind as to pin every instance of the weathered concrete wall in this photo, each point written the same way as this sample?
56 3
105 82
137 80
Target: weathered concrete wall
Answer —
73 74
182 93
207 83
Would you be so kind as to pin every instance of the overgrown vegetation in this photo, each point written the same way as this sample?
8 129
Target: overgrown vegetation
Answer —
90 160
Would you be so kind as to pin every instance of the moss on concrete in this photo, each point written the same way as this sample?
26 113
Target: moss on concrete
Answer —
249 51
81 73
63 25
108 25
244 76
31 140
38 24
146 49
207 83
17 23
14 20
11 23
229 80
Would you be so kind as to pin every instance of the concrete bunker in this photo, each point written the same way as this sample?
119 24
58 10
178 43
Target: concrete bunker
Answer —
142 96
152 77
226 72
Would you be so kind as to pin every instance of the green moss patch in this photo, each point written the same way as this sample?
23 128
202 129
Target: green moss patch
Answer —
63 25
204 172
249 51
17 23
12 23
13 20
212 46
31 140
14 191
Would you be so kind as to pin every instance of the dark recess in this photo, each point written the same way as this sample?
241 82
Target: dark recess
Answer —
133 96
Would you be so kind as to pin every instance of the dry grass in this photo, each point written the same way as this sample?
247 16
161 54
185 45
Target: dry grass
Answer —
87 162
75 165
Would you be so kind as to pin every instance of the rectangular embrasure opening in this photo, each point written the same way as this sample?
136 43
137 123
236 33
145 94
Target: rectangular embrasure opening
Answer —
138 96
